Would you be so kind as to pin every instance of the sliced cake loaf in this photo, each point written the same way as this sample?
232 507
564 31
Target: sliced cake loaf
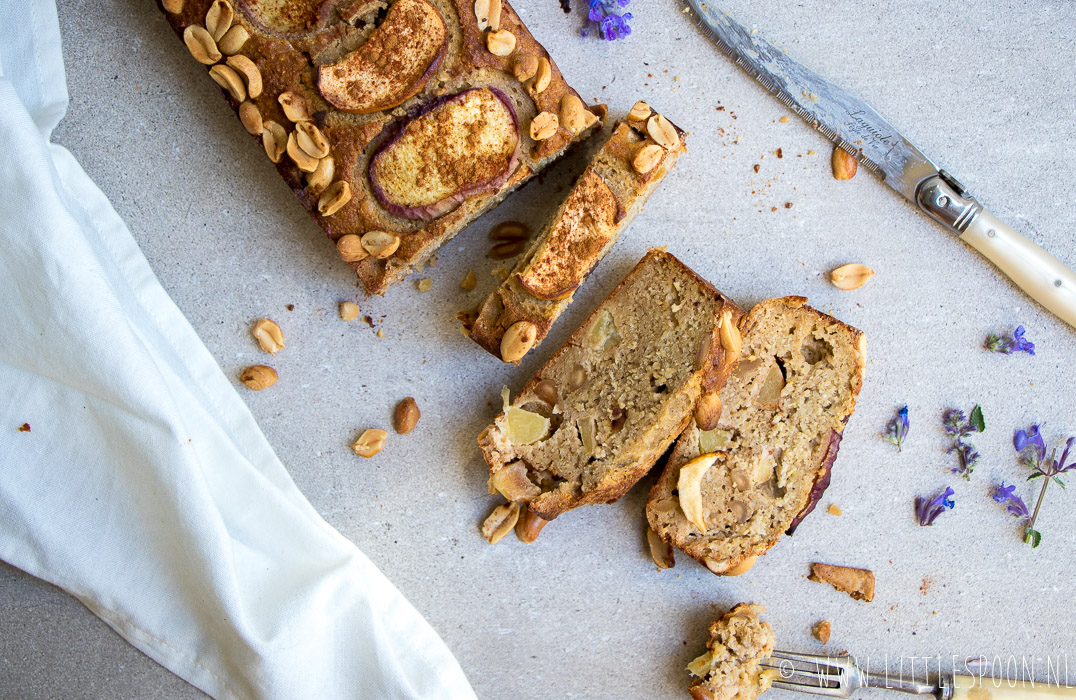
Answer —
396 123
607 196
607 405
729 492
731 668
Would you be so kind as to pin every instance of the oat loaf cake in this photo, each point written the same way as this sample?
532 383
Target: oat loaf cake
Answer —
731 668
602 410
729 492
611 191
395 122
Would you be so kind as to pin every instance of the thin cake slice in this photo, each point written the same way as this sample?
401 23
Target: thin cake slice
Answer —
604 200
728 493
731 668
600 412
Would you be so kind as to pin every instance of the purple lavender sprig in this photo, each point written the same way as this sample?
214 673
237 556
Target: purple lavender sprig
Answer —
604 17
897 429
928 510
1008 344
959 427
1033 454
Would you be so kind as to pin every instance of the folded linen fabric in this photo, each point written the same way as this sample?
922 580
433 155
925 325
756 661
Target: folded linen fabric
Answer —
142 485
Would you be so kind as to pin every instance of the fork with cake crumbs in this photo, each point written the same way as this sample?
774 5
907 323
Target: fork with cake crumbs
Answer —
840 676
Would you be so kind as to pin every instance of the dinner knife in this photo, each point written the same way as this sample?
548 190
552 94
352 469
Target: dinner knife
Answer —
855 127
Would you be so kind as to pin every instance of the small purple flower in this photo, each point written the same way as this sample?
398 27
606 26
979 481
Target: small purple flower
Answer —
1014 504
958 426
897 429
605 17
928 511
1006 344
1030 445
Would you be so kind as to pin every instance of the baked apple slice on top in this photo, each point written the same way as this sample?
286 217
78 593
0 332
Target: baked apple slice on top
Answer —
578 240
392 65
453 148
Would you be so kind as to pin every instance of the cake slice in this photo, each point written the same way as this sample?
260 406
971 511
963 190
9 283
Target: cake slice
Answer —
606 197
731 668
396 123
600 412
731 489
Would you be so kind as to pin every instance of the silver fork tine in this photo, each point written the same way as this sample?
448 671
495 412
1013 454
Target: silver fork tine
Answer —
829 677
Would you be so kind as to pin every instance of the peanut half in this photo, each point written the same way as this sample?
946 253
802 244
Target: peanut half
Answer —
201 44
529 525
229 81
501 42
173 6
844 165
500 522
334 198
322 177
250 73
518 340
349 246
526 66
660 551
218 19
543 75
251 117
311 139
663 132
544 125
258 377
370 442
268 335
233 40
647 158
294 106
574 116
274 139
380 244
851 276
406 416
639 111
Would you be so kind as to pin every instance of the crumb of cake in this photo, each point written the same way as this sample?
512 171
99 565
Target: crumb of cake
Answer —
731 668
822 630
469 281
834 509
290 307
380 333
349 311
858 583
424 284
24 428
784 119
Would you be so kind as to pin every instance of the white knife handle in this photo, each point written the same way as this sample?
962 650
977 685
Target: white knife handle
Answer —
1041 275
975 688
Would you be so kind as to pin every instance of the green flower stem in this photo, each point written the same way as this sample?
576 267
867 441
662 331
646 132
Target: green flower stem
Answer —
1034 516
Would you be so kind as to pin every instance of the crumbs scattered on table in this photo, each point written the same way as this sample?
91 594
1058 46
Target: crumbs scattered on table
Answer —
24 428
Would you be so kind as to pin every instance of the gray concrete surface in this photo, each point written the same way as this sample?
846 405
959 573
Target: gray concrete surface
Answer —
983 86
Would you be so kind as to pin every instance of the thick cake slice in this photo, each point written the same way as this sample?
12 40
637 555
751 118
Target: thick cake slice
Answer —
600 412
731 667
396 122
607 196
727 494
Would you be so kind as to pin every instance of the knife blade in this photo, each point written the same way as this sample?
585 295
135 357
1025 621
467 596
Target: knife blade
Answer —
856 127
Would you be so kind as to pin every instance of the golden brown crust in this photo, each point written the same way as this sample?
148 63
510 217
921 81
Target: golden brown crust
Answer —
289 44
858 583
601 205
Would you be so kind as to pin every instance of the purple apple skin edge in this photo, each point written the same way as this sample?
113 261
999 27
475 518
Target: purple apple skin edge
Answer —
444 206
821 483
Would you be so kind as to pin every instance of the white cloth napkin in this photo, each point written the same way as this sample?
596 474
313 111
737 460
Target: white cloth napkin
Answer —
144 487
